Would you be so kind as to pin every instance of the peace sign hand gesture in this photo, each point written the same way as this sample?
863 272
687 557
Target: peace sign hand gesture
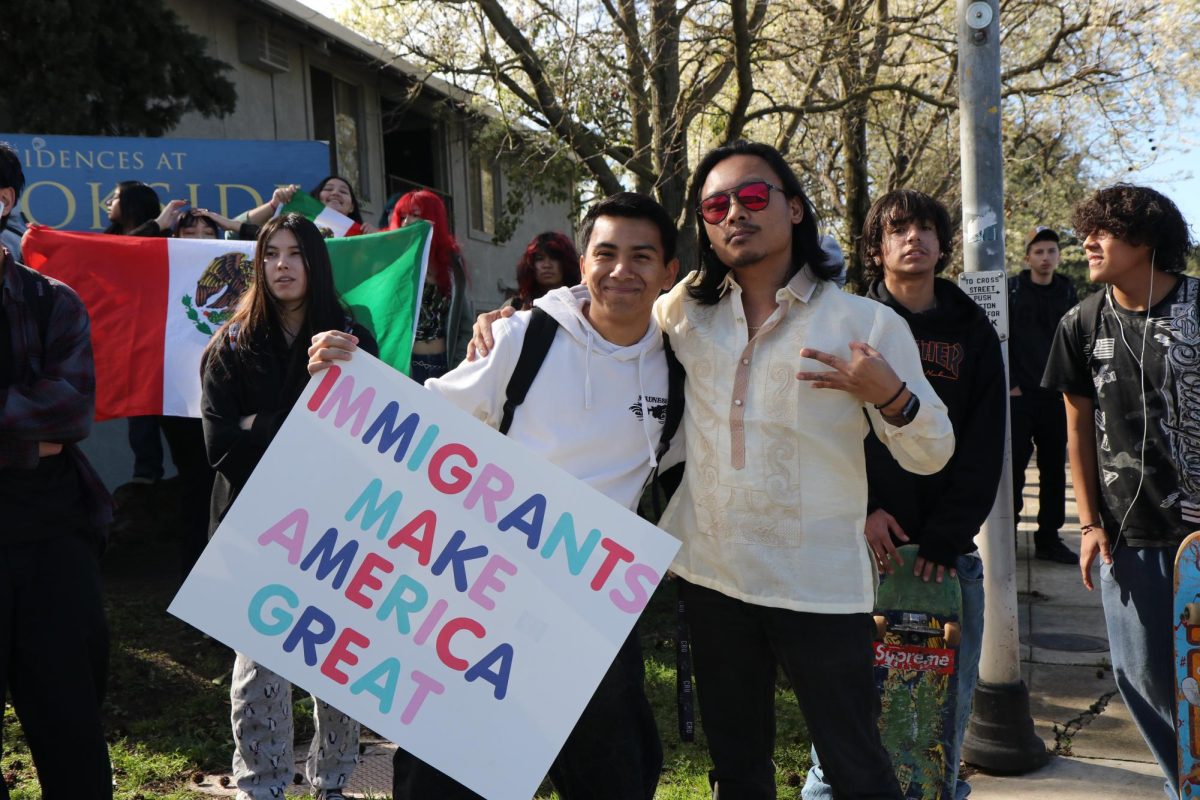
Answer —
867 375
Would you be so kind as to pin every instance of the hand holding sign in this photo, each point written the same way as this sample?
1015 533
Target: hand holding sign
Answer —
439 580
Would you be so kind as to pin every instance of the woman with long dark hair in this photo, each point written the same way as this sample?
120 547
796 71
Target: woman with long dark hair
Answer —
549 261
134 210
254 370
444 324
337 193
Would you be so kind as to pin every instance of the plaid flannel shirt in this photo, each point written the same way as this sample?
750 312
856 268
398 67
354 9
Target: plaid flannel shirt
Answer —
53 395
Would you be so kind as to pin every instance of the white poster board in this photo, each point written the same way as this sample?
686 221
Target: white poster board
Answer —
427 576
989 288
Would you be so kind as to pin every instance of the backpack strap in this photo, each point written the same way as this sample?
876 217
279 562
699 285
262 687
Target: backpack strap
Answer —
675 376
1089 320
538 337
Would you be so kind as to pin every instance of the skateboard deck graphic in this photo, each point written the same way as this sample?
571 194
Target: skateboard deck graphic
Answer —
916 673
1187 665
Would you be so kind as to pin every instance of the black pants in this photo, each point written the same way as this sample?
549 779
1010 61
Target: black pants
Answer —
185 437
146 443
613 753
54 661
1038 417
829 660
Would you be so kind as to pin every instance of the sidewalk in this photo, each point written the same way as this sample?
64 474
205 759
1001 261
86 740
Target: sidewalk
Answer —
1073 699
1076 710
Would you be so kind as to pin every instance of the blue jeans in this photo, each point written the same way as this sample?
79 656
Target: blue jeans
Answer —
1138 591
970 581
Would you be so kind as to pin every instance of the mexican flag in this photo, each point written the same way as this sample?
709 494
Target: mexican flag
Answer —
155 302
335 222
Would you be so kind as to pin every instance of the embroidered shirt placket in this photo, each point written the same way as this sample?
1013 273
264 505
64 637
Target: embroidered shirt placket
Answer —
741 377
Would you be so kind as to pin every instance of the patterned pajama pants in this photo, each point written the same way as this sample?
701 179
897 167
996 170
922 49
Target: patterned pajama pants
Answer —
262 736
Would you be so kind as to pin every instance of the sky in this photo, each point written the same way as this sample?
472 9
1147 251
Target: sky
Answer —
1175 172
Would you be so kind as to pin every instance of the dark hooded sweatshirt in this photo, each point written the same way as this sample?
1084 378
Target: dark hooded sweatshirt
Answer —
1033 315
960 353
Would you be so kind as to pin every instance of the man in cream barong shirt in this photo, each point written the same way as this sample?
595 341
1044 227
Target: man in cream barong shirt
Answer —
774 568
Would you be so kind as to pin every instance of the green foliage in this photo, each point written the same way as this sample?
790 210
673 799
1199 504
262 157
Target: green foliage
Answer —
533 168
115 69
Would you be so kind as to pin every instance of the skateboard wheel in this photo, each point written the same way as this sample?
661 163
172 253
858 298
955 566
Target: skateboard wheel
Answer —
880 627
1193 613
952 634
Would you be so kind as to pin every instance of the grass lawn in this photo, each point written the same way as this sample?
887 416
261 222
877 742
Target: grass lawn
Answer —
168 693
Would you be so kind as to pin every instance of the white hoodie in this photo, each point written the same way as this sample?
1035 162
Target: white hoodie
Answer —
595 409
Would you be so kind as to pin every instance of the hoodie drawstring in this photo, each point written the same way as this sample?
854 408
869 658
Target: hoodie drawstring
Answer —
587 374
645 416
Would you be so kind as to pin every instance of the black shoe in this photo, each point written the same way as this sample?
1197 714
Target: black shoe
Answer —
1057 552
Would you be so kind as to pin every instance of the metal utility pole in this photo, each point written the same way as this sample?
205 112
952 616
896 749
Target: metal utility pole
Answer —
1000 737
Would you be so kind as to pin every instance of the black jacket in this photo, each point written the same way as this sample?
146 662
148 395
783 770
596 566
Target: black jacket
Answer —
960 353
1033 315
267 386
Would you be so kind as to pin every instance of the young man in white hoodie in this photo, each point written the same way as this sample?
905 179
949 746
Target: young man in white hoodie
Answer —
595 409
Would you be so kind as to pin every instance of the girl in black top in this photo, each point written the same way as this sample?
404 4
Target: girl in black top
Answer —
254 370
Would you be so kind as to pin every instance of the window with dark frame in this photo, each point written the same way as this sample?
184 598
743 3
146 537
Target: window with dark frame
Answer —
337 119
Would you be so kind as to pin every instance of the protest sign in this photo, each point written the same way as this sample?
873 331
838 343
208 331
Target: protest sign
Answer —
426 575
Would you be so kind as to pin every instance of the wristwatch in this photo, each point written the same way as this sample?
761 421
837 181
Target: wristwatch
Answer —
906 414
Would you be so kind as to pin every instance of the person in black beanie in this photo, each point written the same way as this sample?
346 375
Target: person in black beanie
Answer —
1037 299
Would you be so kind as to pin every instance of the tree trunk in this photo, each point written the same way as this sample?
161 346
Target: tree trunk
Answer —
858 199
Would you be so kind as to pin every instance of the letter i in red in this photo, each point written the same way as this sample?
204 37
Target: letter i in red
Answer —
327 381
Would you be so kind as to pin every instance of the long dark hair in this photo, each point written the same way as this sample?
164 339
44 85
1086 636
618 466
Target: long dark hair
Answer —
136 203
553 245
806 244
257 317
355 214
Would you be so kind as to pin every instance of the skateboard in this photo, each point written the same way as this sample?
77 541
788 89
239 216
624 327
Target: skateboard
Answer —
916 673
1187 665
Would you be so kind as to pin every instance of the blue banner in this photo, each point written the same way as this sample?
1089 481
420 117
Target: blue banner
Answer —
68 179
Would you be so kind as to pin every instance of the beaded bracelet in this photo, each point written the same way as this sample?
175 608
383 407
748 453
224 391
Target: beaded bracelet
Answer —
900 391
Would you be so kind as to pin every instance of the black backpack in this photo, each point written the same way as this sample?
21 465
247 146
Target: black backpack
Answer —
538 338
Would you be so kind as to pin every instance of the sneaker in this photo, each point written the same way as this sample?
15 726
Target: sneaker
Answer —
1057 552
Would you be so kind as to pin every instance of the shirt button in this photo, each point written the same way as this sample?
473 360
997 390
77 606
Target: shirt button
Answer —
737 402
745 361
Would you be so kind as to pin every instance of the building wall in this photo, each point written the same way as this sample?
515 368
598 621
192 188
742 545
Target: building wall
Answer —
279 106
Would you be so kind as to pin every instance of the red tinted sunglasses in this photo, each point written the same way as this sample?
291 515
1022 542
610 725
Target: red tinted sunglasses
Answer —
752 196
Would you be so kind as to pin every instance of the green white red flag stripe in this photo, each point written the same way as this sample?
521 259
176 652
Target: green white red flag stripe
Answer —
155 302
337 223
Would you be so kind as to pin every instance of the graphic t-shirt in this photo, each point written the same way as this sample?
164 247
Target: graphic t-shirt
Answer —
1152 499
